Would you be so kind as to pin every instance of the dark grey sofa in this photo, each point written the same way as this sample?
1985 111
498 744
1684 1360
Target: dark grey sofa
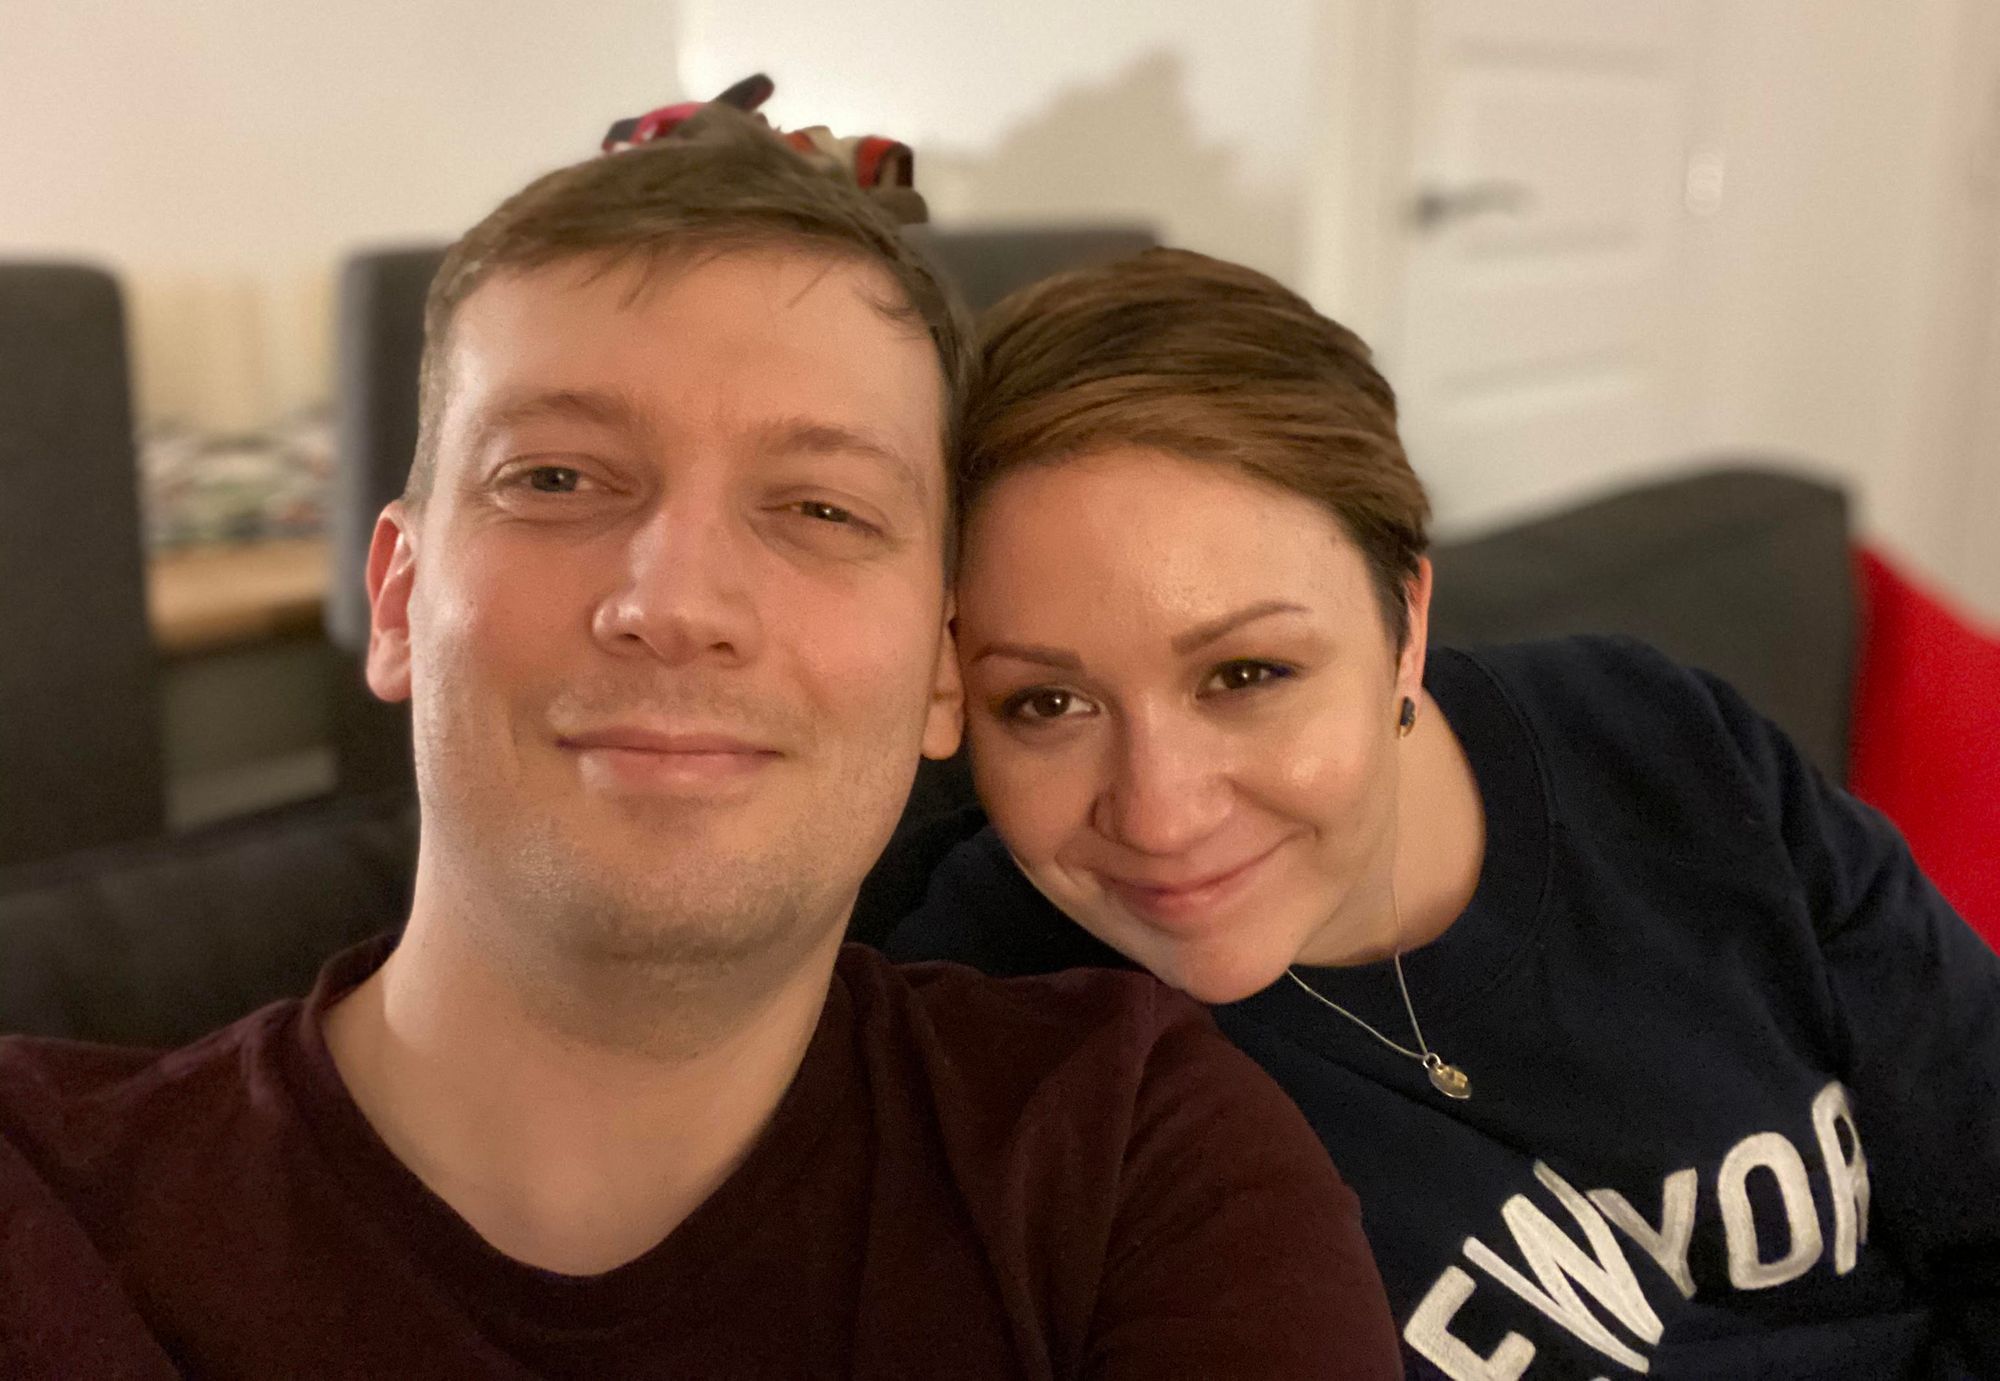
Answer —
1744 571
80 760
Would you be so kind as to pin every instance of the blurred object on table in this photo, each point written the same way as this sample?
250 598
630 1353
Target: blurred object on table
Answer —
203 489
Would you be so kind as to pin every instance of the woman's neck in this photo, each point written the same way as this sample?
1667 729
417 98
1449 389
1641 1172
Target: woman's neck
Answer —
1440 830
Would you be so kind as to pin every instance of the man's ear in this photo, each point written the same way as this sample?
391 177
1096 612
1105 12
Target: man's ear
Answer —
945 724
392 570
1410 665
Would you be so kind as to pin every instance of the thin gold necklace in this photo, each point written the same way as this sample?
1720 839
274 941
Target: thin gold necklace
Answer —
1447 1079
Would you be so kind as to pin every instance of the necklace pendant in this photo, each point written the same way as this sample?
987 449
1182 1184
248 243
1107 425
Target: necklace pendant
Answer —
1447 1079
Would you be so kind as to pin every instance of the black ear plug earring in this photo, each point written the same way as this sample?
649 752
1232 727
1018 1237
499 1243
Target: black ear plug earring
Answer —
1407 720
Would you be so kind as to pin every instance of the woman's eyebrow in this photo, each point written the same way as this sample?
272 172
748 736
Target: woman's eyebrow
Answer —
1057 657
1203 634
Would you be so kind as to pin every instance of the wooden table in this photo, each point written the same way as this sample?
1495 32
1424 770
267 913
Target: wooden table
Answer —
206 598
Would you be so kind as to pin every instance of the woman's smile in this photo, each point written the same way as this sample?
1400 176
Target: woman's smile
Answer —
1190 902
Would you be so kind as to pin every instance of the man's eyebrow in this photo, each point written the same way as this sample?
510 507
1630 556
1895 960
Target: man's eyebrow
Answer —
1203 634
599 406
1056 657
813 436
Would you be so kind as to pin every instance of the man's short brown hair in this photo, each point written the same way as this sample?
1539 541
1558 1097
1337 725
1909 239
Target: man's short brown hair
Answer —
721 184
1212 361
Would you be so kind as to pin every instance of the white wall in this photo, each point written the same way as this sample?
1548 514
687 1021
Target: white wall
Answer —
222 155
1845 294
1843 276
1185 114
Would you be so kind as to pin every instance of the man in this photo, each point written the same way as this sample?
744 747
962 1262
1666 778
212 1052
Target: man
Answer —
667 593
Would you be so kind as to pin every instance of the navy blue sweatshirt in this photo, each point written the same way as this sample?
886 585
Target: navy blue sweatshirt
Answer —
1733 1059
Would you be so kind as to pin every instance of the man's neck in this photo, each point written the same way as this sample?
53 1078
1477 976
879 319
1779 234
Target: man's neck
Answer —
565 1150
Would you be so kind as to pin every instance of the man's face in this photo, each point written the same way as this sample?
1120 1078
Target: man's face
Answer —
672 618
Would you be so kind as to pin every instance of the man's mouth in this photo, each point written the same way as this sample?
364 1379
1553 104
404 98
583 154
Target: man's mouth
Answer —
671 759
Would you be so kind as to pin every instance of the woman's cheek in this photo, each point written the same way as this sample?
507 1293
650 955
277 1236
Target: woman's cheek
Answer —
1003 774
1036 799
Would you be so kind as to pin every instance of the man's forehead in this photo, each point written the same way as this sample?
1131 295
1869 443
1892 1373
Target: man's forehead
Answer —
505 410
751 285
797 348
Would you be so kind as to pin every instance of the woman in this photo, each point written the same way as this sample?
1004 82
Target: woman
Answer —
1645 1049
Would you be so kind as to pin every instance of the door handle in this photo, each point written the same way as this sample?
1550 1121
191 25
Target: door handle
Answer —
1433 207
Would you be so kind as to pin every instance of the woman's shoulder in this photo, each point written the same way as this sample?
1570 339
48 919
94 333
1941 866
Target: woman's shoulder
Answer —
1625 743
1604 702
978 909
1595 670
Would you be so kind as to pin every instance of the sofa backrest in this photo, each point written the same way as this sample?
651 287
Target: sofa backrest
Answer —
80 749
1738 568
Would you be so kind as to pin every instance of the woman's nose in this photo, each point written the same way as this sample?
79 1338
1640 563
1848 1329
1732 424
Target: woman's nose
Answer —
1167 789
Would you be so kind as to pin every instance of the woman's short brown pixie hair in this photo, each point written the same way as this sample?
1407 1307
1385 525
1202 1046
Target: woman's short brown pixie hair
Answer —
1182 353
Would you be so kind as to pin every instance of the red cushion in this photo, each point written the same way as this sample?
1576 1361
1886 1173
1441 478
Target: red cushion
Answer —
1926 749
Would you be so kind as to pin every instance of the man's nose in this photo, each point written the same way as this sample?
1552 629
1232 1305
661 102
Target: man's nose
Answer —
1167 788
684 591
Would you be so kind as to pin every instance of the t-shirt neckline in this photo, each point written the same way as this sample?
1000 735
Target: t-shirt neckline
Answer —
486 1280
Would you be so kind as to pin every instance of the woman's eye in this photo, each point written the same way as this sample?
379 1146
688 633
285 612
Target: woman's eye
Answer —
1044 704
1236 676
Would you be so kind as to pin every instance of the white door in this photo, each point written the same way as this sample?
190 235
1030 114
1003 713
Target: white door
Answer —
1967 368
1548 174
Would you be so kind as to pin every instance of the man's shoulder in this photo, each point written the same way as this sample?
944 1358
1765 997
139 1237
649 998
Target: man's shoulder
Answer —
73 1107
1143 1169
77 1124
956 999
1113 1037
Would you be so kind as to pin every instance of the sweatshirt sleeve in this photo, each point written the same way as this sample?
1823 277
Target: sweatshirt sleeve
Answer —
1236 1249
1917 993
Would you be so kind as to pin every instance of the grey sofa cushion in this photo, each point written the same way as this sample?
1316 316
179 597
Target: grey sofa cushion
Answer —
80 759
159 943
1744 572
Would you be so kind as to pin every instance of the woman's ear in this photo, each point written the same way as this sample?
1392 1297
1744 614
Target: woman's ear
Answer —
1410 662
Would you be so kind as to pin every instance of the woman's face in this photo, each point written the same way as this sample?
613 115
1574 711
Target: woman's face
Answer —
1181 699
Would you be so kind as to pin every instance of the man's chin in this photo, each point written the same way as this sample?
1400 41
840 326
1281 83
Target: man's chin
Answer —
693 906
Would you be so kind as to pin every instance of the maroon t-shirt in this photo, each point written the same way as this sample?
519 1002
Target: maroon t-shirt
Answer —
969 1177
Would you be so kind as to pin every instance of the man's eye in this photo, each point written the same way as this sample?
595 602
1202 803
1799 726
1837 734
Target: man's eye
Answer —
825 512
1242 675
1044 704
553 479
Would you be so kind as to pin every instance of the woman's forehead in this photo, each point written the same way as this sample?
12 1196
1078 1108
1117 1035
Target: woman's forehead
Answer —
1136 534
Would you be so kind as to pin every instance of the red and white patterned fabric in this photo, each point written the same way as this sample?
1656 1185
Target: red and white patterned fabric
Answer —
876 164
